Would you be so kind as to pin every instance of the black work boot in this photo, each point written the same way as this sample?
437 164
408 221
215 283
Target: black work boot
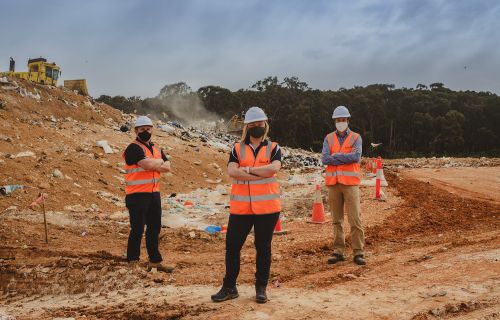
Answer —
225 294
260 294
359 260
336 257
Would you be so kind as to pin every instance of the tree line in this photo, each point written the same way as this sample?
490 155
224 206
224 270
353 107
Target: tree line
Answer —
423 121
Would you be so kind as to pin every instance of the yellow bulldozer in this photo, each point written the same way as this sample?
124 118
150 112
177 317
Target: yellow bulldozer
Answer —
42 72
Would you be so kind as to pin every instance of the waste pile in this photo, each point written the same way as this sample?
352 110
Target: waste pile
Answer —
443 162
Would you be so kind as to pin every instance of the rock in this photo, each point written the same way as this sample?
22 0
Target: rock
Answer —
214 181
94 208
44 185
11 208
192 234
57 174
75 208
216 166
122 271
25 154
436 312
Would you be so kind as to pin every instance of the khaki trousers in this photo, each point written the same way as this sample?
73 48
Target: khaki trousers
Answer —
338 196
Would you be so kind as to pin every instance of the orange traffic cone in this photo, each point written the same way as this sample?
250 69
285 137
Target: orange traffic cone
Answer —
277 229
318 211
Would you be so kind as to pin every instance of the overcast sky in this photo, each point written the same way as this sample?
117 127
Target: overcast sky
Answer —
133 47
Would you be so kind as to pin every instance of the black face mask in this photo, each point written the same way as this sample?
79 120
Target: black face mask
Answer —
256 132
144 136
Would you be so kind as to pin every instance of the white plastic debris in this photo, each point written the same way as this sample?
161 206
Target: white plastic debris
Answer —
104 145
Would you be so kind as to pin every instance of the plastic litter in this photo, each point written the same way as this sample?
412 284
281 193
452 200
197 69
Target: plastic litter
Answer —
213 229
5 190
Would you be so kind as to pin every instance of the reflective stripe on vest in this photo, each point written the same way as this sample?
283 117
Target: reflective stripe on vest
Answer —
255 197
135 170
342 173
263 181
346 174
139 180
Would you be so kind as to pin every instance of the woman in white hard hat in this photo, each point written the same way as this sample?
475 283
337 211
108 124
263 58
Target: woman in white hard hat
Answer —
342 154
144 162
255 202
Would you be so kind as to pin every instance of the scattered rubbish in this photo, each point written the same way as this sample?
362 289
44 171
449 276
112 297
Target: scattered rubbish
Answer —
188 203
296 158
84 233
8 189
125 127
104 145
192 234
213 229
166 128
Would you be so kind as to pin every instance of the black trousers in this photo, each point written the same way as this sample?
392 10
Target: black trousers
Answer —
144 209
238 228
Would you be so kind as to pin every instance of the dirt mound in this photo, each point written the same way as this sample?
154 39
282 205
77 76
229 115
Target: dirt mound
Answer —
430 211
48 141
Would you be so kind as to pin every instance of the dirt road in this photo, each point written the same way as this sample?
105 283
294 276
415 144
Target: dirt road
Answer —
476 183
421 266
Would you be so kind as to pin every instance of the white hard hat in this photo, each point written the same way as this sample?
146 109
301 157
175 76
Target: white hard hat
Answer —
143 121
254 114
341 112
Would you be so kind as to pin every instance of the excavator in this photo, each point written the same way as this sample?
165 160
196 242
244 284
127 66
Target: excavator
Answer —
235 125
42 72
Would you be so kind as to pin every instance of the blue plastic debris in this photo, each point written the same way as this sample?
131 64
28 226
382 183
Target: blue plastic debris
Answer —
213 229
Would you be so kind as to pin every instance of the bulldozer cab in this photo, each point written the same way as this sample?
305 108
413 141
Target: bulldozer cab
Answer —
43 72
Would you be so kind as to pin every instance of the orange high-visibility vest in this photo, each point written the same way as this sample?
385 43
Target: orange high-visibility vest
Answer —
138 179
346 174
255 197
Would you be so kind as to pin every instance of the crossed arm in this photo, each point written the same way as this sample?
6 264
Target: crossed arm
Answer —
253 173
155 165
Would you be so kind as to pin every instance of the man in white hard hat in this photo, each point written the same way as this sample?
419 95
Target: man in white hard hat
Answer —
144 162
342 155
